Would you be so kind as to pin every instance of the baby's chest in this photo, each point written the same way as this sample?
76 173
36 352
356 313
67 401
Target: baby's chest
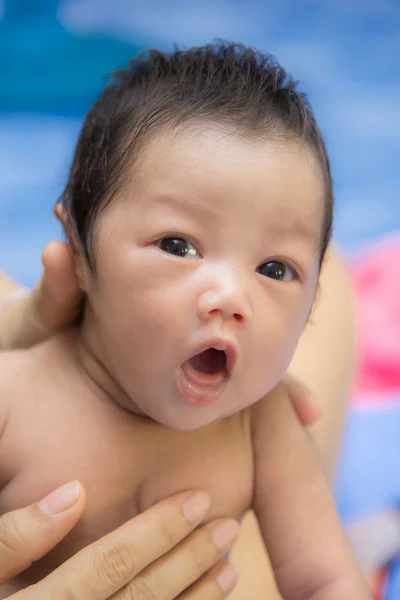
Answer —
126 468
218 461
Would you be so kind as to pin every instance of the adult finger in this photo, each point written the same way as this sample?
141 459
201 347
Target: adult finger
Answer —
304 401
55 302
29 533
106 566
59 274
167 577
218 583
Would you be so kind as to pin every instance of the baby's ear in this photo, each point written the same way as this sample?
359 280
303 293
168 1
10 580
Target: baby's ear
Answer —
78 258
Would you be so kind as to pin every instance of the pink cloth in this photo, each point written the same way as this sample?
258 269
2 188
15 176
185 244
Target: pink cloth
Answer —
376 276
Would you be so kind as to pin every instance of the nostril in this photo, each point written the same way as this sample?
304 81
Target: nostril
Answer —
239 318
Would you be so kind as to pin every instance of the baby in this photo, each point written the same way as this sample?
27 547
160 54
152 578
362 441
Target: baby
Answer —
199 208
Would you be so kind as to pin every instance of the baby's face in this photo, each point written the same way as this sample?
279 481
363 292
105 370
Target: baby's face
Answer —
206 273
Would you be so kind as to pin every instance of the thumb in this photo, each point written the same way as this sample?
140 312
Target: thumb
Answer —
59 275
56 299
29 533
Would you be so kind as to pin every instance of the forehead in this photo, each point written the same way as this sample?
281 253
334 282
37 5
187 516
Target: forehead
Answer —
220 170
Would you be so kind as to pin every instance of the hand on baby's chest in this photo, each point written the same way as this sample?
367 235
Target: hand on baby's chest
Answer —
126 465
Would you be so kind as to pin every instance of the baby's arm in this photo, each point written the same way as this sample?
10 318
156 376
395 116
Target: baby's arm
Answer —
309 553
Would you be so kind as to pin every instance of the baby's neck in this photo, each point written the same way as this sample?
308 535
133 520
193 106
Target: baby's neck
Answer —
74 348
94 368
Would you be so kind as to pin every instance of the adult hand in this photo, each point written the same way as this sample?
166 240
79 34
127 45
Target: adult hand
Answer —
158 554
28 318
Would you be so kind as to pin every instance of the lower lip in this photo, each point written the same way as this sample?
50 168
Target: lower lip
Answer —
198 388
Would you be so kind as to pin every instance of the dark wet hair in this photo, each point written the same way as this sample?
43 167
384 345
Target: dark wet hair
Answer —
228 84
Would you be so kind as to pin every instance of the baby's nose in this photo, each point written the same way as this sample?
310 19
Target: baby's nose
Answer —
227 298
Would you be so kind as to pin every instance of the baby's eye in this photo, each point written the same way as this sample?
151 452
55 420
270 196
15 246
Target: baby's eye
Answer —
178 247
277 270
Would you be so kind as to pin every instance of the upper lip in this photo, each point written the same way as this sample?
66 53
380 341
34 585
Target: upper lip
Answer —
220 343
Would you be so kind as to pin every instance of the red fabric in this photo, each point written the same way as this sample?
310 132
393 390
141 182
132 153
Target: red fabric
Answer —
380 590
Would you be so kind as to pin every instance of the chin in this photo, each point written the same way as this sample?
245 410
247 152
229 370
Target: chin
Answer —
184 420
190 424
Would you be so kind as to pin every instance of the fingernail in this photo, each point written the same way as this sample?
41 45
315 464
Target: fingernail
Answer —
196 506
225 533
227 578
61 499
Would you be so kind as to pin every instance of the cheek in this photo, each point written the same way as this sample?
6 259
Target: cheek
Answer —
279 329
133 308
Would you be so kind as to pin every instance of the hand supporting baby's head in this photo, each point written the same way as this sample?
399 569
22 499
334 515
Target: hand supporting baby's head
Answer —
199 208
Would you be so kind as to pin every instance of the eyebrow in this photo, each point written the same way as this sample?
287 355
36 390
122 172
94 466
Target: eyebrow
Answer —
289 227
199 210
309 231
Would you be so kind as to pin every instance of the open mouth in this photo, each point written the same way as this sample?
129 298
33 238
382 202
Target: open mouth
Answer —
203 377
211 363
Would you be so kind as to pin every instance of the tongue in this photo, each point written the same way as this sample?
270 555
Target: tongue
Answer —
210 361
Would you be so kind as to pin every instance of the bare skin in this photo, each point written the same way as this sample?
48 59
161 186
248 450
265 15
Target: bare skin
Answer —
136 559
329 383
59 356
185 459
325 361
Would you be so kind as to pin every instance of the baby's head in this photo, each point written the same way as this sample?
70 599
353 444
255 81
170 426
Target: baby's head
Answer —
200 205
